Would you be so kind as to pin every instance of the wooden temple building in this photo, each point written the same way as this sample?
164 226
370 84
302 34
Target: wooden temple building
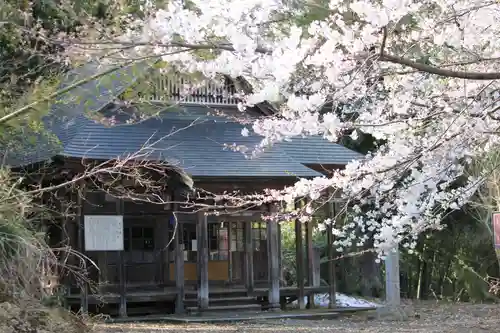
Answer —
174 258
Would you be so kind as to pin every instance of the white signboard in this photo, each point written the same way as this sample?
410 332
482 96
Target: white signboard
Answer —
103 232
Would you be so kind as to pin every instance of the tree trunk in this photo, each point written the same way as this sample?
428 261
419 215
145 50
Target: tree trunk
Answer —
423 273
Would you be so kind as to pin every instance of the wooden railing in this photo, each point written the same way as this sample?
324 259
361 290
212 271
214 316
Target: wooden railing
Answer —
171 89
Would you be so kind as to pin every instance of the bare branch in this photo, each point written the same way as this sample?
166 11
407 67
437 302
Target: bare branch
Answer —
439 71
27 108
384 40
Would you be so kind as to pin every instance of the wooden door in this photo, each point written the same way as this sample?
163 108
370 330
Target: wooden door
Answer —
259 242
237 251
142 257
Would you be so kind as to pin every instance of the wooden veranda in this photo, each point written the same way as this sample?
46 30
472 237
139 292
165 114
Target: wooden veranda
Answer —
177 261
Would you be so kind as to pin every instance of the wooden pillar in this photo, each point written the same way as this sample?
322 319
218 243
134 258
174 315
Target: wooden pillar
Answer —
299 253
166 237
84 300
273 262
66 241
280 253
310 264
166 258
248 258
331 263
121 269
280 265
229 253
179 265
164 242
202 256
102 262
163 230
122 286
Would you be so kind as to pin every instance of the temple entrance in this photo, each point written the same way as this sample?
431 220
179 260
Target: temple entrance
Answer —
225 249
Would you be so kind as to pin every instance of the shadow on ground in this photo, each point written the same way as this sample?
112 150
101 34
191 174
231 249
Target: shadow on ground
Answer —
428 317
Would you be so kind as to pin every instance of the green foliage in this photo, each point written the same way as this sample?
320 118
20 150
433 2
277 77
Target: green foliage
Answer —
316 10
23 251
26 133
24 56
289 259
454 263
29 32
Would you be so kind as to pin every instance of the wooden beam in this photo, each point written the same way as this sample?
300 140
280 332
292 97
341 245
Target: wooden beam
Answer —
273 262
179 266
299 253
248 258
246 185
331 263
202 256
233 218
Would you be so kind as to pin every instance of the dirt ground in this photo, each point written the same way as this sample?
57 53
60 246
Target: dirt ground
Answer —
425 317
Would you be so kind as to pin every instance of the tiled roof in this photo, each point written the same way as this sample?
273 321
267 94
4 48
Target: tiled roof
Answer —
188 138
317 150
197 146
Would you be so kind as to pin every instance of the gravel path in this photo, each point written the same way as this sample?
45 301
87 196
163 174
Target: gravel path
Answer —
426 317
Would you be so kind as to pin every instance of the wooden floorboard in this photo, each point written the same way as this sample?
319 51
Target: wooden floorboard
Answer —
132 297
169 293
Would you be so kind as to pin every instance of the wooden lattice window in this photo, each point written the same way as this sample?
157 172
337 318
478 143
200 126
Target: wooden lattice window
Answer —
218 241
237 236
259 235
139 239
188 236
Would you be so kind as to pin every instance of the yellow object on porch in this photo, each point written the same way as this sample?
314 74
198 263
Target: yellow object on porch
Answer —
217 271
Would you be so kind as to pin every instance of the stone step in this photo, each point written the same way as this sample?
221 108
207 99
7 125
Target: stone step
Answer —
228 300
246 299
216 295
134 311
221 308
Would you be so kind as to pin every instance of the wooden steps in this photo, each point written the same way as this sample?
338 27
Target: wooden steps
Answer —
221 302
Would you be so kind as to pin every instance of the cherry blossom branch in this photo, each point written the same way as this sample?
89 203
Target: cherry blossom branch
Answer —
430 128
383 57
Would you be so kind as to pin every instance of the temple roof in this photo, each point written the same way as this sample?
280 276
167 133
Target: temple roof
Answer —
187 136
